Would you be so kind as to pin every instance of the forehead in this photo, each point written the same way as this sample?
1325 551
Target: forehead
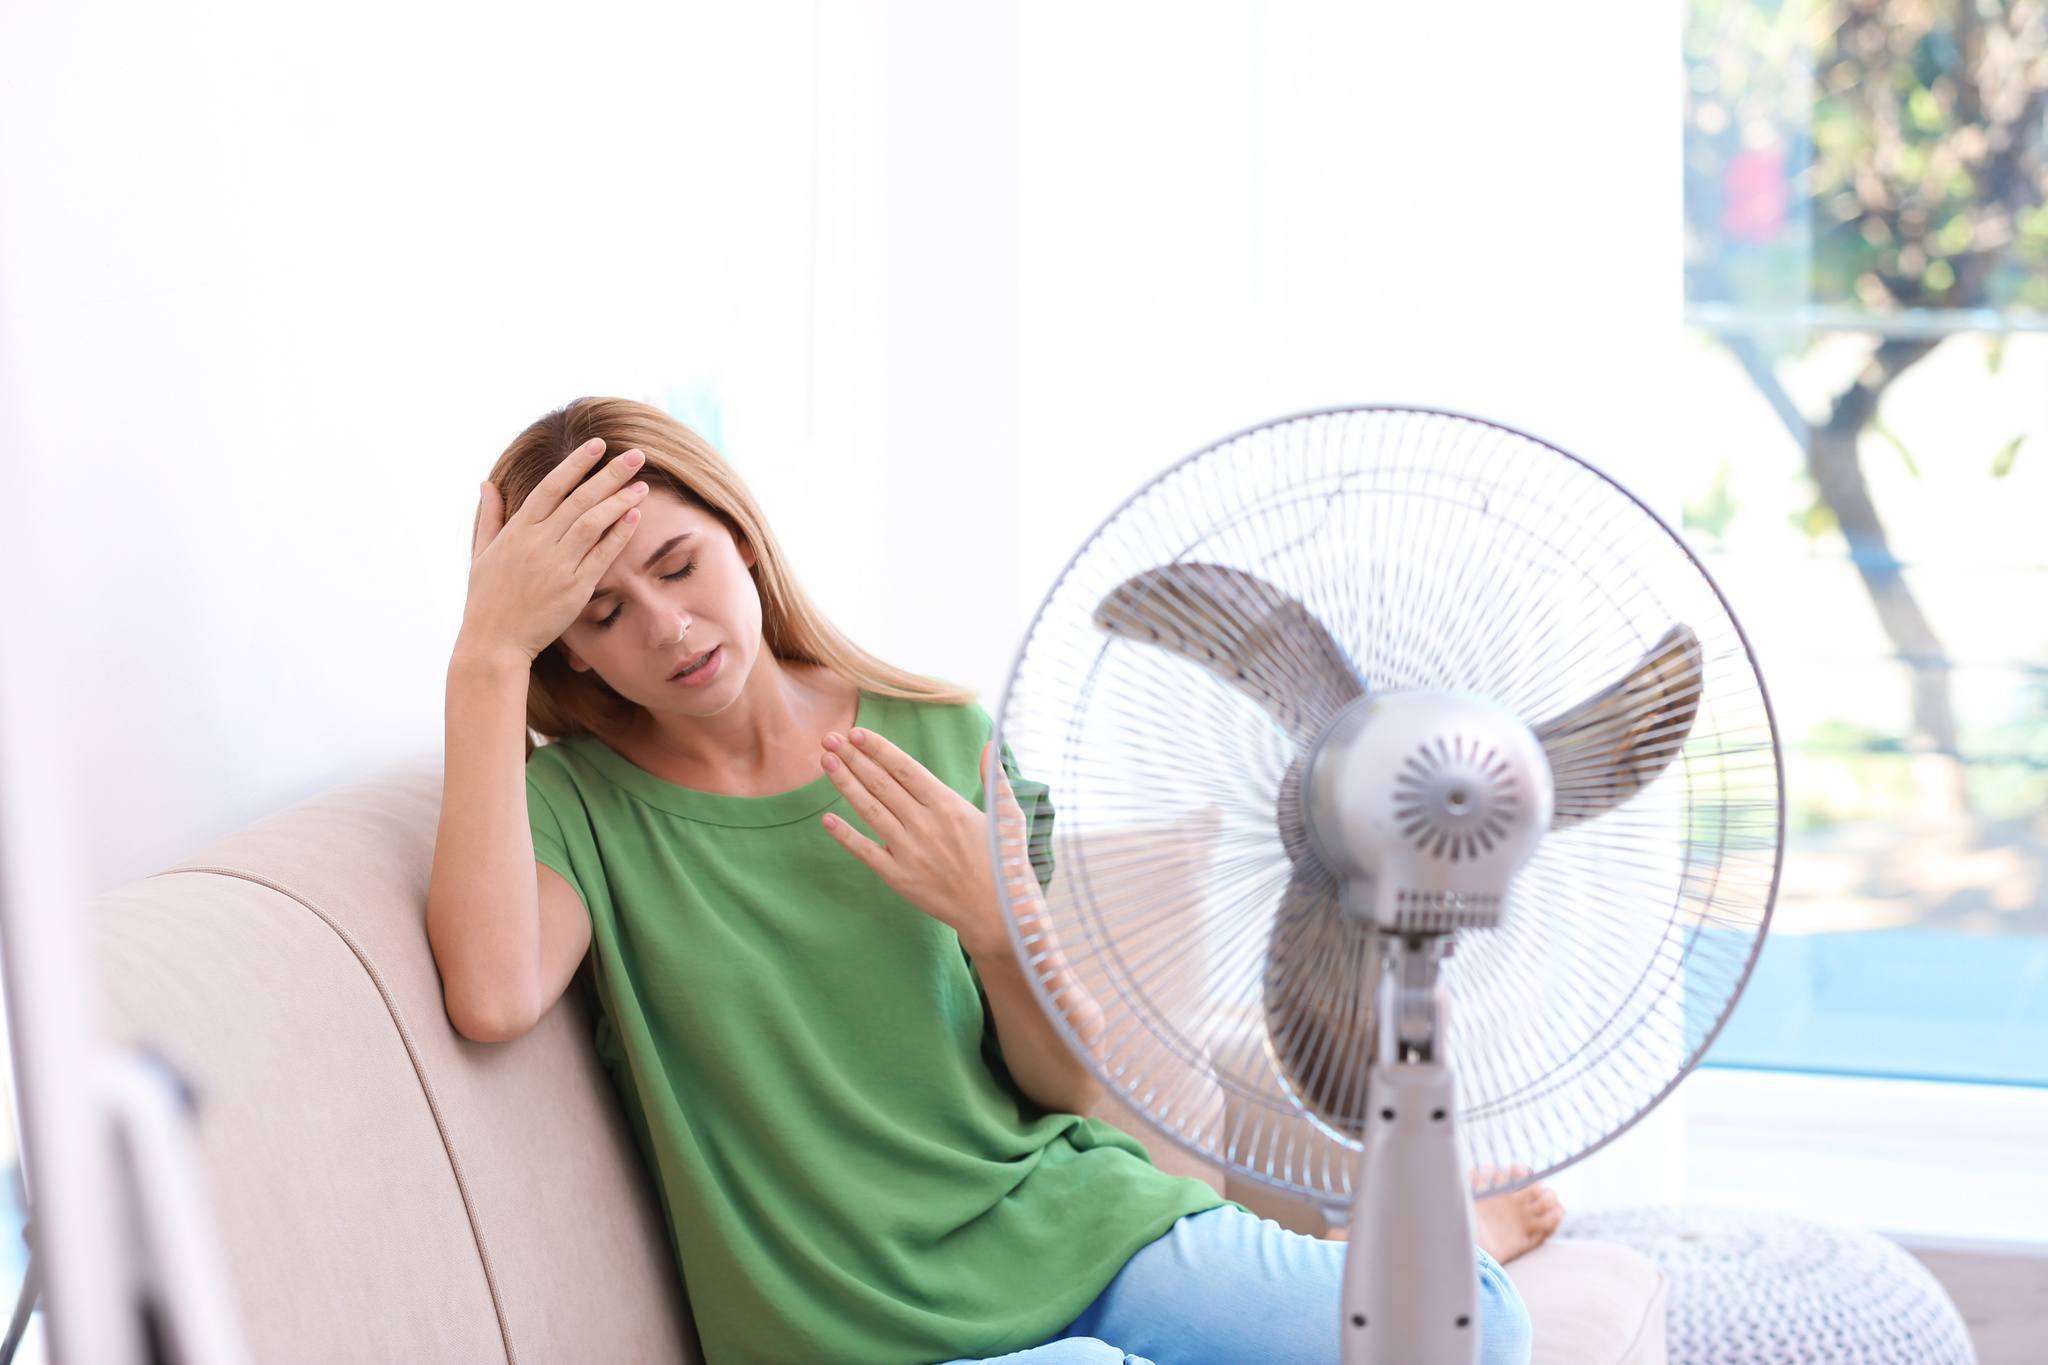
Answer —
663 518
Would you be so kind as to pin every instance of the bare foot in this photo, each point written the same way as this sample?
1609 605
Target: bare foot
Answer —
1514 1223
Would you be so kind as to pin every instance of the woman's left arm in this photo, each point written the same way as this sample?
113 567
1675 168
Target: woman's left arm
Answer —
934 853
1044 1067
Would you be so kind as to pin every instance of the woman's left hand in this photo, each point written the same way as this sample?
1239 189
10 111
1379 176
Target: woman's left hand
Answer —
934 849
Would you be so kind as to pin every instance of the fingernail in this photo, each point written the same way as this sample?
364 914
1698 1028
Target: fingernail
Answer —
860 736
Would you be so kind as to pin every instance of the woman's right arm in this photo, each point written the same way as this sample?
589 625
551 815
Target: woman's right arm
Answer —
483 900
506 933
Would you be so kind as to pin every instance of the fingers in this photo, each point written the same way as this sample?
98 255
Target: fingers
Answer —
547 495
913 777
885 770
866 789
599 557
595 504
858 844
602 518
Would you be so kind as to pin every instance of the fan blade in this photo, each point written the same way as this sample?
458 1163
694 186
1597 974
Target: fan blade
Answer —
1609 747
1246 631
1322 1001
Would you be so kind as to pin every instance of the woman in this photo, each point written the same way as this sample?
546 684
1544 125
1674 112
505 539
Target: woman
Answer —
861 1126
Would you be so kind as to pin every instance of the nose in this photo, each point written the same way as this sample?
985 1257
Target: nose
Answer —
668 635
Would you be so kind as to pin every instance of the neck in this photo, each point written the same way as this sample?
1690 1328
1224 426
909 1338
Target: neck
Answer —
766 720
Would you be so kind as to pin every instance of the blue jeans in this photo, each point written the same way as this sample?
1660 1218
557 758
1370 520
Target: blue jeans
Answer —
1224 1287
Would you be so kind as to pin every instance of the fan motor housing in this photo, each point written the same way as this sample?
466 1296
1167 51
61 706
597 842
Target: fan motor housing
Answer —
1423 805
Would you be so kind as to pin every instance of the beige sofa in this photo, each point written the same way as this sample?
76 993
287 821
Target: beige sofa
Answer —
387 1190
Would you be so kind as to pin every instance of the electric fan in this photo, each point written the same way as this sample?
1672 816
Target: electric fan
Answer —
1417 792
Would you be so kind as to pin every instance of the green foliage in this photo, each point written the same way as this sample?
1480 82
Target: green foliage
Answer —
2001 463
1709 516
1892 439
1893 152
2011 779
1817 521
2005 791
1841 772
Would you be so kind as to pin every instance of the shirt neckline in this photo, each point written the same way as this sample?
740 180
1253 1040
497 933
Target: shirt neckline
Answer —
720 808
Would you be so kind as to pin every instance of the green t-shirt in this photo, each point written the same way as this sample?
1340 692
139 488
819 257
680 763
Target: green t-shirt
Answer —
849 1172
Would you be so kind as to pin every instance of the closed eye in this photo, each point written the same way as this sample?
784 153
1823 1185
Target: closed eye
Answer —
613 615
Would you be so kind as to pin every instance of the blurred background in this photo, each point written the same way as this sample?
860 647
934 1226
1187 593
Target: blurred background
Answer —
948 282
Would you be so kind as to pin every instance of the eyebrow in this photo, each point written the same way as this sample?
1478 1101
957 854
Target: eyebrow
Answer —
648 567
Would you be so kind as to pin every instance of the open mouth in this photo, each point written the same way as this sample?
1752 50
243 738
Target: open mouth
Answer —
696 665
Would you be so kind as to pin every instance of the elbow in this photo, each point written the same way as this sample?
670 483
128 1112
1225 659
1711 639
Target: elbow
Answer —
487 1026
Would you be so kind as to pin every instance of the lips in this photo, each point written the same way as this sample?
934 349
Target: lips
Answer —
693 659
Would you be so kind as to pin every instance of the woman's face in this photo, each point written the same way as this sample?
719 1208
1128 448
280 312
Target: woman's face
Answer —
680 567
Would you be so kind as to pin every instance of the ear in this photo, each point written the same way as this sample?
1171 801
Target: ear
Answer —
576 661
747 555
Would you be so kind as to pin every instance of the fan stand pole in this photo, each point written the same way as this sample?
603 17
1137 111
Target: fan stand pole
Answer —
1411 1281
177 1271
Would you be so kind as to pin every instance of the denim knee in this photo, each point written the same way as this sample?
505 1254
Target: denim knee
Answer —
1506 1337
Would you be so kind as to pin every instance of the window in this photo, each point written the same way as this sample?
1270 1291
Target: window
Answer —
1866 446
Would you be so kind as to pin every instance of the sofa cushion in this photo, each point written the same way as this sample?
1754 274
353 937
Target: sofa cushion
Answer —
1603 1303
385 1188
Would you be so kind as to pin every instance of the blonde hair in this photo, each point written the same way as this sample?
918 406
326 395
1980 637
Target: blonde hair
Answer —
561 701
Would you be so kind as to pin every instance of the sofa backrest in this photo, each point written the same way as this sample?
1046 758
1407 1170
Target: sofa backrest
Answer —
386 1190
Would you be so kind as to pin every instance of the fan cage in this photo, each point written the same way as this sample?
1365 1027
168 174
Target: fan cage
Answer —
1441 551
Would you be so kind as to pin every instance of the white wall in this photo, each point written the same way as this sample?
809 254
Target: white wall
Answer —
278 291
959 278
1234 212
276 288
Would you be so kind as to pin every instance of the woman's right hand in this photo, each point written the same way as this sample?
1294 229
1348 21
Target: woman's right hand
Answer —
530 576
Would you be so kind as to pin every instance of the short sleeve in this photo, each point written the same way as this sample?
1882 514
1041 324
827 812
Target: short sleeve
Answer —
1033 798
550 846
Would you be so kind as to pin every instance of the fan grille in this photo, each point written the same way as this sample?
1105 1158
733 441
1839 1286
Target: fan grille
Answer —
1439 552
